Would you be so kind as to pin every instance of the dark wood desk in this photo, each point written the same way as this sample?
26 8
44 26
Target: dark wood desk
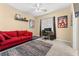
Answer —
49 36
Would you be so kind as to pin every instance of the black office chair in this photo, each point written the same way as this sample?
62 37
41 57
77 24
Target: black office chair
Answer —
46 32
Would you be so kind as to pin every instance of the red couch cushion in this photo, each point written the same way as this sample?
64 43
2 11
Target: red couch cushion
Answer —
25 37
24 33
21 33
2 38
10 33
10 41
15 39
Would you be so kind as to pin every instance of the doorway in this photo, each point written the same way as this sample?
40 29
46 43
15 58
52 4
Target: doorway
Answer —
48 24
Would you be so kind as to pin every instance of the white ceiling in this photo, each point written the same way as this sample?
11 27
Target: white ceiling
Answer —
29 7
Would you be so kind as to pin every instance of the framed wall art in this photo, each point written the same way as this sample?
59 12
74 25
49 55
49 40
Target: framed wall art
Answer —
31 23
62 22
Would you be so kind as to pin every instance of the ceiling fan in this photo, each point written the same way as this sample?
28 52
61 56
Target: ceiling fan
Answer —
39 8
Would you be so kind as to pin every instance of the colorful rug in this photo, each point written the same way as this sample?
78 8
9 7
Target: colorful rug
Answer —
31 48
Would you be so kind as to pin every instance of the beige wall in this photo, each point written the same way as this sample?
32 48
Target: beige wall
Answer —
62 33
7 21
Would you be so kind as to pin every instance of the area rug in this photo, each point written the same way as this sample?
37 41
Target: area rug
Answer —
31 48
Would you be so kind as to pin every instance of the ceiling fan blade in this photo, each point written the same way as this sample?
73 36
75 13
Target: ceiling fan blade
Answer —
43 9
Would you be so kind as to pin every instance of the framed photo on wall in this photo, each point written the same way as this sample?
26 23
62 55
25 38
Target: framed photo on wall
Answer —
31 23
62 22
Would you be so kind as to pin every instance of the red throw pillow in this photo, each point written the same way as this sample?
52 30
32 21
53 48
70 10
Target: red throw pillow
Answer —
6 36
11 33
2 38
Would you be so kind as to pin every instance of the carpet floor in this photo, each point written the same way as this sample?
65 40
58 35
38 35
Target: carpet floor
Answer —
31 48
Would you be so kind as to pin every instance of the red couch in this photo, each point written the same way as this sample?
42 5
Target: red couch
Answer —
12 38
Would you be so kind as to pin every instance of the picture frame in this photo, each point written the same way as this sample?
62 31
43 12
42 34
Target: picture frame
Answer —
63 22
31 23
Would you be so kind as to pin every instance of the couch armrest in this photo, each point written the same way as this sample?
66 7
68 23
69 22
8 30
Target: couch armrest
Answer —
30 33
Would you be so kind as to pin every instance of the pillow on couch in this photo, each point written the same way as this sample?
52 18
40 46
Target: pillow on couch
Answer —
10 33
6 36
2 38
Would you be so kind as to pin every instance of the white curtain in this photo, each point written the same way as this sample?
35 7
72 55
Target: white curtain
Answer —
47 23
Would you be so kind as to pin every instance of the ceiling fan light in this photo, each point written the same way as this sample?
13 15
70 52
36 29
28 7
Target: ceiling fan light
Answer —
38 10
